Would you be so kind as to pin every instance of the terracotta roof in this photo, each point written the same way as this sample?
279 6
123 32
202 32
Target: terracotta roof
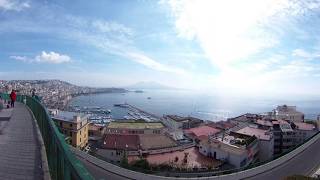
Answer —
264 123
222 125
203 131
156 141
304 126
119 141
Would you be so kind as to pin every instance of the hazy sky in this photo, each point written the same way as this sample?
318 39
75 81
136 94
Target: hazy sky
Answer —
247 46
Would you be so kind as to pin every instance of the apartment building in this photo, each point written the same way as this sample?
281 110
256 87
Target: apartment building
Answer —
266 140
177 122
75 126
236 149
303 131
289 113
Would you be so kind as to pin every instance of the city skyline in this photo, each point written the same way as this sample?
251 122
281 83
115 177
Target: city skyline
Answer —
246 47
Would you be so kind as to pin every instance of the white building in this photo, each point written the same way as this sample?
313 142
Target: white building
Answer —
289 113
175 122
236 149
266 141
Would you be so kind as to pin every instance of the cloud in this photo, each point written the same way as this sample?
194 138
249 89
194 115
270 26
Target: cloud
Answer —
241 38
107 36
230 31
301 53
115 39
52 57
44 57
13 5
153 64
20 58
109 27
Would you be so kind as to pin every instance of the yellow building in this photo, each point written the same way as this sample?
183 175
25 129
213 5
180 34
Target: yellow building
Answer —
73 125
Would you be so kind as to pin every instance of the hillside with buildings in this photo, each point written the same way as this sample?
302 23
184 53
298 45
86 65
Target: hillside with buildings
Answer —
53 93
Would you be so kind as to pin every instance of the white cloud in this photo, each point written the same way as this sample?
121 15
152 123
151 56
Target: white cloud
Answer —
229 31
20 58
235 34
301 53
109 27
116 39
153 64
14 5
52 57
44 57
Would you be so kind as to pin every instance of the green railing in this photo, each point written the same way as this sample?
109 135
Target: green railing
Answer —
62 163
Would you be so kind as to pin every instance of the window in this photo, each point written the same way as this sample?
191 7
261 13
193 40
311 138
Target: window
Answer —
80 132
70 125
80 139
60 124
70 133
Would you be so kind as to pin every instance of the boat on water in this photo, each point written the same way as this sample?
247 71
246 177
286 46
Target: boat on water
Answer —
138 91
149 98
122 105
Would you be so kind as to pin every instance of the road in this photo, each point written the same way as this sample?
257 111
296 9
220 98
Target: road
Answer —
304 163
99 173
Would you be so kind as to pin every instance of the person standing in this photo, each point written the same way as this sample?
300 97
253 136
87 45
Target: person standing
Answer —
13 97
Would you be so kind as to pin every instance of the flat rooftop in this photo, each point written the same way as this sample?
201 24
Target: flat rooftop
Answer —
135 125
182 119
69 116
259 133
264 123
304 126
203 131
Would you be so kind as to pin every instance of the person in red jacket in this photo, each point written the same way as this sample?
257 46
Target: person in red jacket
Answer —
13 97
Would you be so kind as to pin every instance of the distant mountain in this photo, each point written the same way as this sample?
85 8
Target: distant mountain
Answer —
148 85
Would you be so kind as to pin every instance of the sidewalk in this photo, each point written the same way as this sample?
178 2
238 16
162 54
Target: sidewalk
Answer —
20 156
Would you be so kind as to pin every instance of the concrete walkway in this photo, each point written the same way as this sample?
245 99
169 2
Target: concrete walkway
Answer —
20 156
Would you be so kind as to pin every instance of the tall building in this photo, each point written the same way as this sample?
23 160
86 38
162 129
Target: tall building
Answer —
73 125
289 113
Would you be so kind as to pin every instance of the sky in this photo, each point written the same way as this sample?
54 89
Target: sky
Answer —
248 47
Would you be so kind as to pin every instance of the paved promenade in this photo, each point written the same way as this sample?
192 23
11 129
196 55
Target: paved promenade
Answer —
20 156
305 163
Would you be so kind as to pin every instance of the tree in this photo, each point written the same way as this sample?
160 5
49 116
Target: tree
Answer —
124 161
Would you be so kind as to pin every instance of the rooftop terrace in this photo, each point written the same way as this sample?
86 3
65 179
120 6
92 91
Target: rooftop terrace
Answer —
70 116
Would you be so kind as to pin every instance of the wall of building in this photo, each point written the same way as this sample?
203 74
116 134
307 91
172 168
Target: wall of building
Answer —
78 135
134 131
266 149
81 136
171 123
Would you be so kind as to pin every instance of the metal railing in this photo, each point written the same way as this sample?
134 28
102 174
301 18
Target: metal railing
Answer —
62 162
